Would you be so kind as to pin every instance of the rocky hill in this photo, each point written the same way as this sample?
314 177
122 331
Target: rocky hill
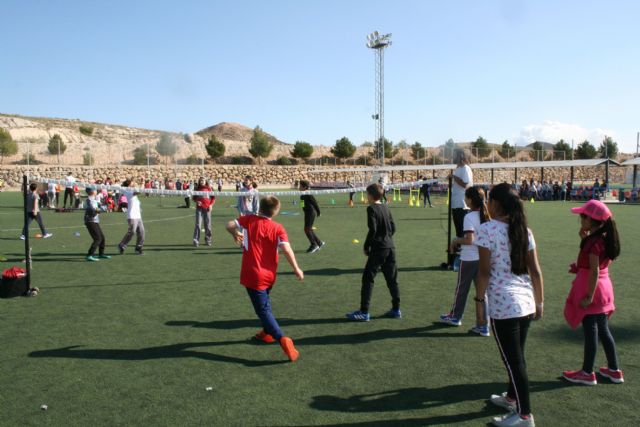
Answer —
111 144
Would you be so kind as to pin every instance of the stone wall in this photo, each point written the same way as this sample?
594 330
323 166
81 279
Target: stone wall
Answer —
286 175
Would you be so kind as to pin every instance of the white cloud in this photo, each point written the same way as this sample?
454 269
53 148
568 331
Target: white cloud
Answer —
552 131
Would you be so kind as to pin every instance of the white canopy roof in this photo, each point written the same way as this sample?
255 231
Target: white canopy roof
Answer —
499 165
634 161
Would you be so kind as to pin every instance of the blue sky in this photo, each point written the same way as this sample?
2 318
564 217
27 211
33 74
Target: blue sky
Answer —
503 69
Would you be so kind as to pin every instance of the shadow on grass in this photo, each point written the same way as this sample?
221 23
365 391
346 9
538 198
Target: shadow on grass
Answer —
417 398
436 330
331 271
150 353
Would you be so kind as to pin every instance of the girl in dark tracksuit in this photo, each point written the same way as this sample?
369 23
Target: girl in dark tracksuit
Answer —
92 222
310 209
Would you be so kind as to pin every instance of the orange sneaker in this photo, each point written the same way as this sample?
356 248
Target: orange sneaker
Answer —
264 337
287 346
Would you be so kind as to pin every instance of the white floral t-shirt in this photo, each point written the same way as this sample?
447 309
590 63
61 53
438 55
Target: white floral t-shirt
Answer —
510 295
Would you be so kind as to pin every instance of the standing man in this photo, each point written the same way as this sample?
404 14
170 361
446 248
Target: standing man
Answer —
68 191
248 205
134 219
462 178
219 184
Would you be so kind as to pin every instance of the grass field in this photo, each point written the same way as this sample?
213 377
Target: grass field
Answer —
136 340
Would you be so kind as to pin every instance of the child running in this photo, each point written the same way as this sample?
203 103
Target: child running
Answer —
509 273
474 198
261 237
590 300
310 208
33 212
381 253
92 222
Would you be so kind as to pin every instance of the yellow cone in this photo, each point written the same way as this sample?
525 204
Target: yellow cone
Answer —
532 201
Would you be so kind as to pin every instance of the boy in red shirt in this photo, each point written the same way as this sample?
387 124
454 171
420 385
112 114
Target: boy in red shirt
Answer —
261 238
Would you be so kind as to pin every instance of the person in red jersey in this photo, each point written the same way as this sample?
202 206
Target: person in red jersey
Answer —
261 238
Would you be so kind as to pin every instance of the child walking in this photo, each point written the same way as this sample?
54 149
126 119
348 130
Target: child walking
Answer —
590 300
509 274
33 212
310 208
474 198
261 237
92 222
381 253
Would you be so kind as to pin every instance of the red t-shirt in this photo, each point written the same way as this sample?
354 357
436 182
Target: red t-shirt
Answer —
262 236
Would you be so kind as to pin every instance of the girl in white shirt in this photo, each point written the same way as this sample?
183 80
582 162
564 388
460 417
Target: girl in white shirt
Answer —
475 199
510 275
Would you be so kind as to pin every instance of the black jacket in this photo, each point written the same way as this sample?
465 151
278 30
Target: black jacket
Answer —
381 228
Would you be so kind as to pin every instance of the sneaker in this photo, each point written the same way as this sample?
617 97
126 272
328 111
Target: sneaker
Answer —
580 377
314 249
196 243
264 337
287 346
394 314
22 237
513 420
47 235
358 316
91 258
310 249
481 330
450 320
615 376
120 249
103 256
208 244
321 245
139 251
503 401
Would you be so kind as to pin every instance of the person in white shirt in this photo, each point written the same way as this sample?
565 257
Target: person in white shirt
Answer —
51 194
69 192
509 274
461 179
475 199
134 219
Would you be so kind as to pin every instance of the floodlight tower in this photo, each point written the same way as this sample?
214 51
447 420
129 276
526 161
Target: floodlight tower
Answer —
379 43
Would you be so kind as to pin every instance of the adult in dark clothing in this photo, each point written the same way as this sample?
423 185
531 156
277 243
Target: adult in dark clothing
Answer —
381 253
311 209
425 189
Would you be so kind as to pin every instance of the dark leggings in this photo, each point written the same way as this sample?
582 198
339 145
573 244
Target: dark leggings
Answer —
511 335
594 326
309 219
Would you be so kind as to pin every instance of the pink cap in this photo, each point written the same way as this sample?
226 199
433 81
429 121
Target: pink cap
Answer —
594 209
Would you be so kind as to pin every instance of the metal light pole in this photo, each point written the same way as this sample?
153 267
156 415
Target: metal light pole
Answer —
378 43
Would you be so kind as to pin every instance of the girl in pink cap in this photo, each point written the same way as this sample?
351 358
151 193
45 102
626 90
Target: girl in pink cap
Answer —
590 300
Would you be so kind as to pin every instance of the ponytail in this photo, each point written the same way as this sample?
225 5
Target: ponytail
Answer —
478 202
512 207
609 232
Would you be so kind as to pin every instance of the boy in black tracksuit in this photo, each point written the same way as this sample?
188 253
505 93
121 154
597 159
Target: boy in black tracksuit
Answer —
310 209
381 253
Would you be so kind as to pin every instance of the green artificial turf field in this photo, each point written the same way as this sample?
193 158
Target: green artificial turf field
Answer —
137 340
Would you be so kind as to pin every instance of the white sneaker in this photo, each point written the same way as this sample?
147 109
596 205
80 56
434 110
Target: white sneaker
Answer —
502 401
196 243
513 420
46 236
22 237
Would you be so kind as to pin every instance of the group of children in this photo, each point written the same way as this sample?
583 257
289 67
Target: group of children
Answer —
499 255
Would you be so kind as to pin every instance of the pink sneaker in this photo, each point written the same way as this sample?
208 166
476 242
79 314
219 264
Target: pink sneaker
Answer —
615 376
580 377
